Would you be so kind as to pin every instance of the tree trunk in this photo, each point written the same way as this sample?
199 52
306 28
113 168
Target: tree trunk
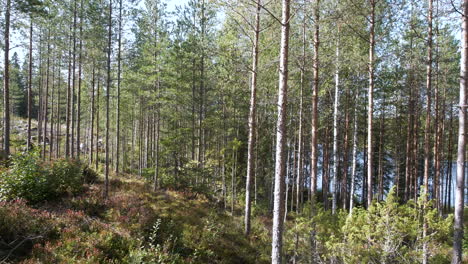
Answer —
315 90
381 154
252 122
69 95
119 58
97 118
92 112
109 47
370 104
460 188
46 100
428 126
353 169
344 180
300 144
335 125
80 65
6 82
326 169
278 206
28 146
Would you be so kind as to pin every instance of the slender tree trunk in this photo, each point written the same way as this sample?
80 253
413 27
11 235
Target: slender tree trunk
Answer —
438 124
315 90
80 64
335 125
278 206
370 105
51 139
109 51
450 161
326 169
40 88
353 169
252 123
201 150
28 146
6 82
73 91
97 119
58 128
119 59
92 112
344 180
415 168
300 144
457 257
381 153
428 126
46 100
315 120
69 95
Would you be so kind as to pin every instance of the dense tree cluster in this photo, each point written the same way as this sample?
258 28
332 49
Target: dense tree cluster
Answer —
276 105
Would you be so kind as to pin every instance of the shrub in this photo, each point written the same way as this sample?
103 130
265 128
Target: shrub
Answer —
66 176
26 179
30 179
89 175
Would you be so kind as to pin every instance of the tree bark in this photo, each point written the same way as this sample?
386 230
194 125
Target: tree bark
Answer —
252 122
119 59
92 113
353 169
278 206
46 100
28 142
460 188
6 82
335 125
80 65
370 104
69 95
428 126
315 90
109 47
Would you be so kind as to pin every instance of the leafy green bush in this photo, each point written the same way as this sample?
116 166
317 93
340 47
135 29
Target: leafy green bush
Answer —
66 176
89 175
26 179
30 179
388 232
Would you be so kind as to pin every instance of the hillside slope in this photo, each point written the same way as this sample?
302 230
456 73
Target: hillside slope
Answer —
135 225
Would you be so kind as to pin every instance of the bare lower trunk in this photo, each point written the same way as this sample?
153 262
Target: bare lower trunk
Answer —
117 137
370 106
46 100
315 90
299 181
109 47
428 126
460 188
80 65
92 111
30 82
353 169
278 205
335 127
252 123
6 82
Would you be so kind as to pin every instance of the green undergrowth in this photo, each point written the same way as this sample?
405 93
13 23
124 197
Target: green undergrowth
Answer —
134 225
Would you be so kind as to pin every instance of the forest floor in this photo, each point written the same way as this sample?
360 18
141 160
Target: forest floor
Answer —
134 225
